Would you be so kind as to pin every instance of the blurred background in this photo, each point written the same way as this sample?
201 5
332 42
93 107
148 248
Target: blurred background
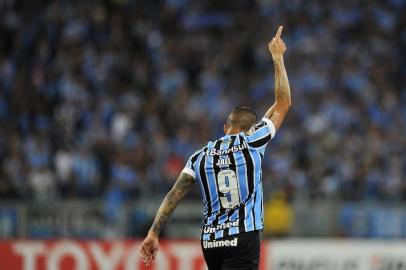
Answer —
102 102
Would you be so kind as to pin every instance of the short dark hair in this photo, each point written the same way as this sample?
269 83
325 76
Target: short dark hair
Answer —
242 117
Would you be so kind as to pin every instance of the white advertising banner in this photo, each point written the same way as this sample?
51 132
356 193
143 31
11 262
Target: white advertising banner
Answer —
336 255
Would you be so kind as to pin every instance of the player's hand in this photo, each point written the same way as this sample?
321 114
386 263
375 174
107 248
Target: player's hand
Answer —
277 46
149 248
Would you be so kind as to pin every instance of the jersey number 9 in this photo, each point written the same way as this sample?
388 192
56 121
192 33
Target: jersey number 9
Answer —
228 186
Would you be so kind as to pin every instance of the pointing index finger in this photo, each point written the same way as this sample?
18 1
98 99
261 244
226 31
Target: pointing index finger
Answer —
279 32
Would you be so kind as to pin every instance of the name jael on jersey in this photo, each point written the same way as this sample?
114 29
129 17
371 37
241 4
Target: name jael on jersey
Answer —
223 162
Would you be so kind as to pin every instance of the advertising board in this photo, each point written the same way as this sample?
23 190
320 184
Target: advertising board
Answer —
187 255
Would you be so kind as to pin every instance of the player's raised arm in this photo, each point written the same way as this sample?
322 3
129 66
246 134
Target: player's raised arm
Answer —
278 110
149 247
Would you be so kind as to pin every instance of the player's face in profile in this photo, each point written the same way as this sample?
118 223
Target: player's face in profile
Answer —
226 128
227 125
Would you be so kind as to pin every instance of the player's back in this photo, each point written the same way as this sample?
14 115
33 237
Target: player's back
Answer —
229 172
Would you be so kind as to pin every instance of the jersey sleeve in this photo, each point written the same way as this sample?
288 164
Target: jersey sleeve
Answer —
190 165
261 133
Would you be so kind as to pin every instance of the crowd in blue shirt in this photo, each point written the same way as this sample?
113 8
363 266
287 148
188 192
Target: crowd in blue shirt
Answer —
109 100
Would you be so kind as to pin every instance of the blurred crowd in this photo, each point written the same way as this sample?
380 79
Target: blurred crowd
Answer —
107 99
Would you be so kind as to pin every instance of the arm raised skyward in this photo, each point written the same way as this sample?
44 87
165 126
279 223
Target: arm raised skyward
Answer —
277 112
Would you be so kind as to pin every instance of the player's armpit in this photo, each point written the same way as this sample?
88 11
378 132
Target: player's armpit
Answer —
178 191
277 114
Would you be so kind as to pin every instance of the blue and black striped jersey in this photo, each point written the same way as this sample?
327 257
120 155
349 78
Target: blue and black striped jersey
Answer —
229 172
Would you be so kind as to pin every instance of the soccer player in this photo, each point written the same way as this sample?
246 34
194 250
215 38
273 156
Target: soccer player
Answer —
229 174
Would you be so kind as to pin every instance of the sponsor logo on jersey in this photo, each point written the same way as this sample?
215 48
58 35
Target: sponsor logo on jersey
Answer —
220 243
225 225
218 152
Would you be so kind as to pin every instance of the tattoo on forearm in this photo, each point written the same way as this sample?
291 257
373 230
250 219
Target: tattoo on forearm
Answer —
282 88
282 95
170 202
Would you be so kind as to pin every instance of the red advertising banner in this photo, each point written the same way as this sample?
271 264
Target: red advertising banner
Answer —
100 255
290 254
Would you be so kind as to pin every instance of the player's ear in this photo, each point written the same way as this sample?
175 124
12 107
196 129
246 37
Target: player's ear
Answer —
225 128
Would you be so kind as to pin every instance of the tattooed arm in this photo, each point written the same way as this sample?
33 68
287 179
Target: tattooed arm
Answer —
170 202
282 103
149 247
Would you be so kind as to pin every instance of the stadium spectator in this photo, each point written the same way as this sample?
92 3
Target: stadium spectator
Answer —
85 85
278 216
